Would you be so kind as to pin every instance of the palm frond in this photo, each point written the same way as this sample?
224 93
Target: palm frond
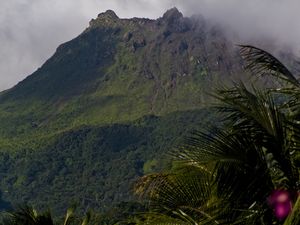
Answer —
69 216
154 218
236 162
27 215
86 219
294 217
185 195
261 62
258 116
228 173
188 187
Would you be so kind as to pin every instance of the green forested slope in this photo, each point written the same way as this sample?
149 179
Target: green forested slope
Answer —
106 107
94 166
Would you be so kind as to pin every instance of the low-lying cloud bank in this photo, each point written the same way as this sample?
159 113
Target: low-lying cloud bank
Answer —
30 30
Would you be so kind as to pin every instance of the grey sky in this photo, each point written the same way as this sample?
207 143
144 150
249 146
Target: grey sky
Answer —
30 30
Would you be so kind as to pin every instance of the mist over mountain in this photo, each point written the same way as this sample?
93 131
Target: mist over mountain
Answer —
31 30
107 107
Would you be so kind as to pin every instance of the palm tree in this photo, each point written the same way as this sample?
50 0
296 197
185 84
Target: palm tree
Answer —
229 174
26 215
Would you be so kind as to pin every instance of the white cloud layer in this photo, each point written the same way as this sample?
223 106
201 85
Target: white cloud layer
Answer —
30 30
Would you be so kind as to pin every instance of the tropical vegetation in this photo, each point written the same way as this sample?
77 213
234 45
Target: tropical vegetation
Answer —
245 171
26 215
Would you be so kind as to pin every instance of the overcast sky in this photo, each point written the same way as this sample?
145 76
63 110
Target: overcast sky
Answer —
30 30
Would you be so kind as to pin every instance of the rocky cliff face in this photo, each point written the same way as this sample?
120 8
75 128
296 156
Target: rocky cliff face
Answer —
121 69
164 49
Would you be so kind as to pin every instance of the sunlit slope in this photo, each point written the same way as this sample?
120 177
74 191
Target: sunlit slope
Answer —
117 70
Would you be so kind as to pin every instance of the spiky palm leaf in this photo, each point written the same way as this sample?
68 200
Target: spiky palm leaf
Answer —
261 62
180 195
247 159
152 218
294 217
86 219
26 215
69 216
188 195
259 117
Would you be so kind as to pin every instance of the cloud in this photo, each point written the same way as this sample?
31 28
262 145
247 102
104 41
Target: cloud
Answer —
256 19
30 30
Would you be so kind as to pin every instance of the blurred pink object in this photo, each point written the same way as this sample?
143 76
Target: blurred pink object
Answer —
281 203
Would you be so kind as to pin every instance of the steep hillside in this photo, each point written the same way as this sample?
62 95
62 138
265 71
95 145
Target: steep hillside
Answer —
94 167
103 109
117 70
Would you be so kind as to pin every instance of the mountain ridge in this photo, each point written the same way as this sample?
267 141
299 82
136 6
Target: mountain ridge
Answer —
137 78
149 62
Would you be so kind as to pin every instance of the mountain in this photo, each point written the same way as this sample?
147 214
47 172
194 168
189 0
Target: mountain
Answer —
107 106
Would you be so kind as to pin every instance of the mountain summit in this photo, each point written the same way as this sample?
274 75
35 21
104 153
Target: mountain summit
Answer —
104 107
172 14
109 14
